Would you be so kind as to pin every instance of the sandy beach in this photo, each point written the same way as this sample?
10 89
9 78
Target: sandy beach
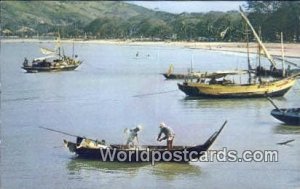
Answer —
290 49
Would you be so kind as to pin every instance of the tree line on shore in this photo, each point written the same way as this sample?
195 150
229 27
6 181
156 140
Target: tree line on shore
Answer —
123 21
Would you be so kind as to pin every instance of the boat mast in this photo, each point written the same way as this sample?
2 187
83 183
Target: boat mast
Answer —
58 44
259 60
282 53
192 63
259 48
73 50
248 56
258 39
190 70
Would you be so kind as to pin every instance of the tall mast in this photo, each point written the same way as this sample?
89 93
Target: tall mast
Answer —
58 44
73 49
248 56
192 63
282 53
259 50
258 39
259 47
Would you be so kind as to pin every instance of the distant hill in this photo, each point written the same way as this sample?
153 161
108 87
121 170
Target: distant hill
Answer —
48 15
104 19
121 20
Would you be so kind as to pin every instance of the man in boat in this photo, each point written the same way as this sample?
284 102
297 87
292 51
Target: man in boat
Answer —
169 135
288 71
133 135
213 81
93 144
25 63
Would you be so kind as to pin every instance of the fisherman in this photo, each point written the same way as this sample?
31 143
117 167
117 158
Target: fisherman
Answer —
25 62
213 80
169 135
288 70
133 135
93 144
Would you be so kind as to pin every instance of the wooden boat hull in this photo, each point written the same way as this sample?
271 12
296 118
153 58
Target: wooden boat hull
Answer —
288 116
179 76
272 89
177 154
195 75
174 76
35 69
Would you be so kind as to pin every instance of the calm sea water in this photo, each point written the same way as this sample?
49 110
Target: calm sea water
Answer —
113 90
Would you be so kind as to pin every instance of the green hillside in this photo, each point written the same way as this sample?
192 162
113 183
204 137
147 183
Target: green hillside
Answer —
49 16
105 19
121 20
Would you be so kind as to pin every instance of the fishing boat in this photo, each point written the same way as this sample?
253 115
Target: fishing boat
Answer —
193 75
277 73
227 89
147 153
290 116
55 60
171 75
255 86
199 75
175 76
51 64
274 71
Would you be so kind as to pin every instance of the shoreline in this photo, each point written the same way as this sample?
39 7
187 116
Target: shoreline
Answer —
291 50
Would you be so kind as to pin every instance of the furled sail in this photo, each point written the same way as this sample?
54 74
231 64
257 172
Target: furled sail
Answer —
46 51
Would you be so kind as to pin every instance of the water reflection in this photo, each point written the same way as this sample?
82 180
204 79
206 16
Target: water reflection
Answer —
167 171
170 171
189 102
76 165
286 129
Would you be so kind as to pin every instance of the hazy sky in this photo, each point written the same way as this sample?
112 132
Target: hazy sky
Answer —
190 6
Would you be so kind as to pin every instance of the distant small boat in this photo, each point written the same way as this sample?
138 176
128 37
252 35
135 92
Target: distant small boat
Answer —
55 60
199 75
51 64
175 76
176 154
171 75
277 73
290 116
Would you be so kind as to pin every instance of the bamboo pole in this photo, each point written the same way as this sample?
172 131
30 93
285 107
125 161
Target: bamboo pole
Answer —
258 39
282 53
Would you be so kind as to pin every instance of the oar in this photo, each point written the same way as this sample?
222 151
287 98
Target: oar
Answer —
276 107
286 142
